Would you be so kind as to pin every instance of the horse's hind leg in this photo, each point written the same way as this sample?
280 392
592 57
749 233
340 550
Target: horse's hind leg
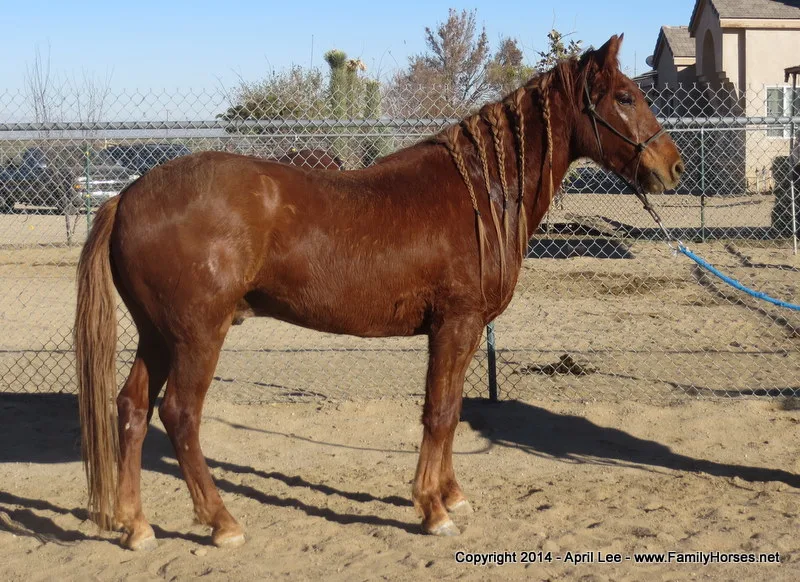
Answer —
451 347
191 374
135 406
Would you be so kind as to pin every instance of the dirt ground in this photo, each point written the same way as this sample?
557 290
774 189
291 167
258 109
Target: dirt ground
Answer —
323 492
313 438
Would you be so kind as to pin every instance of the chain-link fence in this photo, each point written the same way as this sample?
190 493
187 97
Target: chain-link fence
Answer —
602 309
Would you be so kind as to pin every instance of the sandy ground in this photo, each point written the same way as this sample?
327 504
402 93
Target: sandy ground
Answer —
313 438
323 492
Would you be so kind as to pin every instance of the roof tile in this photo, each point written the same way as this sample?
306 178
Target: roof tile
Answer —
778 9
679 41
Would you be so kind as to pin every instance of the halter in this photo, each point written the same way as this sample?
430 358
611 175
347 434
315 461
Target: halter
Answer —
591 111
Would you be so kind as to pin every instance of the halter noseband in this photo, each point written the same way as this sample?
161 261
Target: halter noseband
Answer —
591 111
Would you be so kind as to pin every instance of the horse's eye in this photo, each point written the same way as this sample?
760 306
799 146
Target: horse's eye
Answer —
624 98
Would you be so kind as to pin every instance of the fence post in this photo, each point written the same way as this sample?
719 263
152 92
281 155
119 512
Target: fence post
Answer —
492 361
702 185
792 162
88 201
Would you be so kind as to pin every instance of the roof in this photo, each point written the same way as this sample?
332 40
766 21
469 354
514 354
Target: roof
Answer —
646 75
647 79
763 9
757 8
678 39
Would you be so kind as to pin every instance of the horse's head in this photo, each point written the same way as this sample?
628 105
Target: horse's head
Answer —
616 128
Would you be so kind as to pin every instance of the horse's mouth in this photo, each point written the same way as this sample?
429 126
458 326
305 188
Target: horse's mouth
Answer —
653 183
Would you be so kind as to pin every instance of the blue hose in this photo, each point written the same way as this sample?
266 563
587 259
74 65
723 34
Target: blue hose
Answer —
734 283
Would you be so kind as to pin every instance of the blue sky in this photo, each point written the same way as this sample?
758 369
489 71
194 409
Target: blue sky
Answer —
176 44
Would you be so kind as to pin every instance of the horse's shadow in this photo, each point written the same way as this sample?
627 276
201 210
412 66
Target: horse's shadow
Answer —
43 428
574 439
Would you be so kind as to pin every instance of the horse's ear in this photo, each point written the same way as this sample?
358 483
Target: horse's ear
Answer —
601 63
607 56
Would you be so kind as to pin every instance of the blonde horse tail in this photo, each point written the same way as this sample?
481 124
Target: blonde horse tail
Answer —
95 340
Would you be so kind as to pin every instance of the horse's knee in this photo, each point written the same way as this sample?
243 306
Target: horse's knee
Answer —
440 420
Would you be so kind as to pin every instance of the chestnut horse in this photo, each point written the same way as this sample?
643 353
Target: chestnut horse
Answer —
430 240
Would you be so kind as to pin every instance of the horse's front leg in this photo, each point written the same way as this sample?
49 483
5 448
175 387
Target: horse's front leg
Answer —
451 347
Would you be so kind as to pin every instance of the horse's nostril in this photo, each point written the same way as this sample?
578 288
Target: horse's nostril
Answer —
678 168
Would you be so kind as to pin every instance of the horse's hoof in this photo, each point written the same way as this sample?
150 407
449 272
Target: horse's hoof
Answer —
142 539
445 529
145 545
462 507
228 539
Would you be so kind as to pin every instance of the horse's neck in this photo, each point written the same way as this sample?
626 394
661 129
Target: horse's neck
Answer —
539 193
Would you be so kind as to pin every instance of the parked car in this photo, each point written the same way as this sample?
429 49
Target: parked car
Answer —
67 178
142 157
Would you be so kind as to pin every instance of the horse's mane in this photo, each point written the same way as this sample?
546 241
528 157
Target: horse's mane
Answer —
502 117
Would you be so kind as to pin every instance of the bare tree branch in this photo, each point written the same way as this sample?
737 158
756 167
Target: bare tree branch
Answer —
42 87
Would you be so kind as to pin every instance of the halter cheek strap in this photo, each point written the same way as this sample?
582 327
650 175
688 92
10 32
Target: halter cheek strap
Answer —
591 111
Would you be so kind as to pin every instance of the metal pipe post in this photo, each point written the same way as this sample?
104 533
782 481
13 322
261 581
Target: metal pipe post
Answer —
88 202
492 361
792 162
702 185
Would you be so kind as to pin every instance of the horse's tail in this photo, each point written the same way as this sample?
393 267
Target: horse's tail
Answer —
95 338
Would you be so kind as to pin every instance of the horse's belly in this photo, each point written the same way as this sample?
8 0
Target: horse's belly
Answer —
360 316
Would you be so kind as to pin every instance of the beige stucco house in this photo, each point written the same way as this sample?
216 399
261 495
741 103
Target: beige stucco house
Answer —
730 42
737 51
673 60
745 42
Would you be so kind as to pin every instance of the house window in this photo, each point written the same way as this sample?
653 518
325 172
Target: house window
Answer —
779 104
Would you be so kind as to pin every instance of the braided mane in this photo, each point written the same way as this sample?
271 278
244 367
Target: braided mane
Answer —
450 139
500 118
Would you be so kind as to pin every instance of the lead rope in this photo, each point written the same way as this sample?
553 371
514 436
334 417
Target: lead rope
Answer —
591 111
684 250
652 211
